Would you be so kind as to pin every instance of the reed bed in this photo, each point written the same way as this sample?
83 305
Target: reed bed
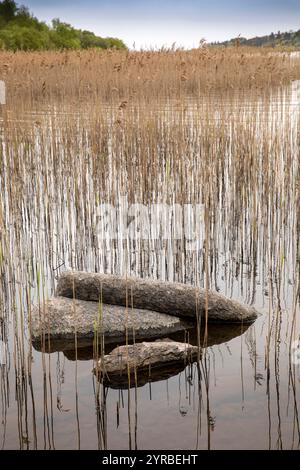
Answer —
110 76
215 128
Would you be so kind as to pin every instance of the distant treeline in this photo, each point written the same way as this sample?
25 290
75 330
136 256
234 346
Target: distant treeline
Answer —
290 39
20 30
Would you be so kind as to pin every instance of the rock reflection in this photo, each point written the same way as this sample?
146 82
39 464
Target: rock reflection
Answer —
87 351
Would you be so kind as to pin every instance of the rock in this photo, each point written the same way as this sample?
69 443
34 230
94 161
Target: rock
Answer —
59 318
137 364
142 377
175 299
144 355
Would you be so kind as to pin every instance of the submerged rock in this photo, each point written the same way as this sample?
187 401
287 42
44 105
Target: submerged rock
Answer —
144 355
136 364
175 299
61 318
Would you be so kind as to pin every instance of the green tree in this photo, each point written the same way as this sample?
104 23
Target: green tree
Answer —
89 40
64 36
8 10
23 38
19 29
115 43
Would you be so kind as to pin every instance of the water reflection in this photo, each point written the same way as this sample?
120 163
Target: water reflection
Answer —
87 351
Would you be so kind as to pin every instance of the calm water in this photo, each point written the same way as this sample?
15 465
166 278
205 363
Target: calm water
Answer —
244 393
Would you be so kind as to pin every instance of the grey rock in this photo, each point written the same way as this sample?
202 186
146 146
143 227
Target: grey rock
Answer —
175 299
145 355
136 364
60 318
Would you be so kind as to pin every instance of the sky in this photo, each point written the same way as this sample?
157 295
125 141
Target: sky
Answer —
157 23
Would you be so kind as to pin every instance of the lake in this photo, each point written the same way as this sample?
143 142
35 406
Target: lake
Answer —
237 158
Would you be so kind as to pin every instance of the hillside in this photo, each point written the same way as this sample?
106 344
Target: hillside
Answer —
20 30
279 39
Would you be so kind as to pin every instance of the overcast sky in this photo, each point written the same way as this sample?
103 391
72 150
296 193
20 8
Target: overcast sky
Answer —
163 22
